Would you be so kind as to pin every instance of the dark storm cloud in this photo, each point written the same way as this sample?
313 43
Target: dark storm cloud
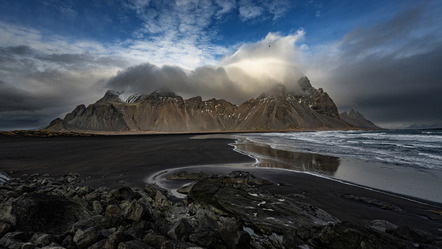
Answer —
391 71
208 82
39 86
13 100
393 90
23 109
17 56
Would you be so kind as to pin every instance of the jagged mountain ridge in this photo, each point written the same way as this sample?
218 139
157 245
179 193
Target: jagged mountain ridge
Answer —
165 111
357 119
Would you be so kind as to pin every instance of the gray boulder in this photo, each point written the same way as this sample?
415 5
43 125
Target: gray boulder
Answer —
133 244
180 230
85 238
116 238
35 212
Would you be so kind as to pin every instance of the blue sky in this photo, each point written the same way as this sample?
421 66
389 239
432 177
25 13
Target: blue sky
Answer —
379 57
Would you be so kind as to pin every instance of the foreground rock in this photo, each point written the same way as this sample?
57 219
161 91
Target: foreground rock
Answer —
220 212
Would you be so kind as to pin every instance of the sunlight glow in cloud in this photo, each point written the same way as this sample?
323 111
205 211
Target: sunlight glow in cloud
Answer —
275 59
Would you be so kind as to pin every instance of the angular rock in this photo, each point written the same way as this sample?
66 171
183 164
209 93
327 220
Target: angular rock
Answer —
7 218
206 221
102 221
267 213
112 210
347 235
42 239
84 190
134 244
241 240
374 202
68 242
42 213
412 234
382 225
53 247
161 200
85 238
116 238
14 239
169 244
4 228
139 228
296 237
138 211
180 230
98 245
28 245
232 234
96 207
94 196
207 239
124 193
154 239
25 189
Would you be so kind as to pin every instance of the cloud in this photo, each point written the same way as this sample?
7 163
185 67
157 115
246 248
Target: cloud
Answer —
40 86
64 7
226 6
251 70
20 108
248 10
389 71
185 32
182 32
251 10
208 82
275 57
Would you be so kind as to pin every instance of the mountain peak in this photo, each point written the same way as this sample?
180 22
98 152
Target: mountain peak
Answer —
164 92
276 91
110 96
357 119
305 86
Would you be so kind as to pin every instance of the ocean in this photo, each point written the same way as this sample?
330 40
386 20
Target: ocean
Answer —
406 162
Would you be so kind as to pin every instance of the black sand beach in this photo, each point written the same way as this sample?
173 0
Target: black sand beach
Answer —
109 159
113 161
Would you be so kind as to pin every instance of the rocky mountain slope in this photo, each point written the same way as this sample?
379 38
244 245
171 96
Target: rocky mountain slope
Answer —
165 111
356 119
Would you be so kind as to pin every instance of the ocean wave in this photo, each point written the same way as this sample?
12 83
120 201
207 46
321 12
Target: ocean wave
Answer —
410 148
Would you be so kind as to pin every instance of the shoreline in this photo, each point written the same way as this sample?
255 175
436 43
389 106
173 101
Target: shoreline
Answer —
413 183
87 133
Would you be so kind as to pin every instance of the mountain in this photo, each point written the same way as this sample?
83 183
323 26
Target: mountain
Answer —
356 119
165 111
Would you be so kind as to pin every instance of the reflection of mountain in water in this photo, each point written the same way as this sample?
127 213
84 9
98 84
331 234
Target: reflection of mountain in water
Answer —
275 158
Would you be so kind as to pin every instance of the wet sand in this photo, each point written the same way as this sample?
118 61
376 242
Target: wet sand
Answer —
129 160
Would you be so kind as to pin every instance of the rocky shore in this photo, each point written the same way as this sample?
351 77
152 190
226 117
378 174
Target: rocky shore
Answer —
220 211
